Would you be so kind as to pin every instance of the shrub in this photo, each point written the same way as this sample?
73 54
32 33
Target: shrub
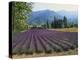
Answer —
48 51
72 47
38 51
58 50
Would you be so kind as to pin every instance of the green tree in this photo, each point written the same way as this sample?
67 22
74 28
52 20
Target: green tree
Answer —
19 11
75 25
52 24
47 24
65 21
55 22
60 23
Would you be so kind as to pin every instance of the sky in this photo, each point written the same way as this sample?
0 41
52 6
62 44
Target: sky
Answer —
55 7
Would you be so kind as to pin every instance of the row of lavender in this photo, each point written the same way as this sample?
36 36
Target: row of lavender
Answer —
43 40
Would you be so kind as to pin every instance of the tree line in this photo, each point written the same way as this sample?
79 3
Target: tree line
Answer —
60 23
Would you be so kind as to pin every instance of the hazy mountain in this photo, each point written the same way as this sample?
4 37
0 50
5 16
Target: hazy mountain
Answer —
43 16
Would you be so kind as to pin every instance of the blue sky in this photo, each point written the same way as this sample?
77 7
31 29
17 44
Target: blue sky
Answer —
55 7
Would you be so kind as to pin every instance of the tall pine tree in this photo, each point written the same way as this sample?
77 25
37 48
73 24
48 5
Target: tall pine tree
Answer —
65 21
47 24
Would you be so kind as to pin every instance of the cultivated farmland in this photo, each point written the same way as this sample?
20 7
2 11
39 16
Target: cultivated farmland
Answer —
43 41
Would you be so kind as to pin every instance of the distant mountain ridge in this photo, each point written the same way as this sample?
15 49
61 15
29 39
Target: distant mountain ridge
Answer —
43 16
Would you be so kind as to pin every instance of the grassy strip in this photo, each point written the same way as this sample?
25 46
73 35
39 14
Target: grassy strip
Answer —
66 29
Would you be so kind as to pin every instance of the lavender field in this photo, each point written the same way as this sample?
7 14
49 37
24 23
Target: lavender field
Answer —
43 29
43 41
